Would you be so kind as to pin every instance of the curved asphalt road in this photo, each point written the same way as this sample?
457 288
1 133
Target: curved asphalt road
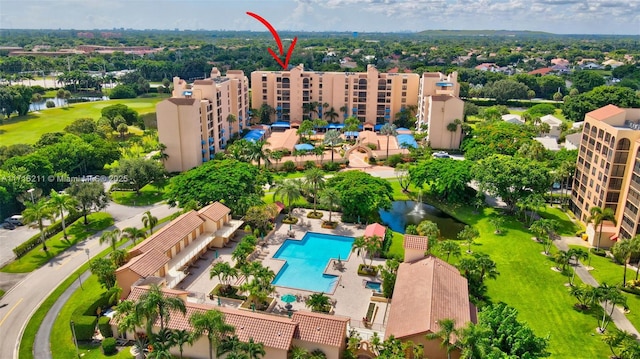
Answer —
19 303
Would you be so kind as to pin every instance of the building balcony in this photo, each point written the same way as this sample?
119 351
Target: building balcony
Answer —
444 92
178 265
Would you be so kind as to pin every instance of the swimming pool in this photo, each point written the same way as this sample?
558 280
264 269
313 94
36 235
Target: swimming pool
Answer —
375 286
306 260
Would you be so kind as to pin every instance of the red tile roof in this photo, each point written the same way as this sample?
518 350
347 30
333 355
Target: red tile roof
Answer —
147 263
542 71
375 229
412 241
426 291
215 211
320 328
605 112
169 235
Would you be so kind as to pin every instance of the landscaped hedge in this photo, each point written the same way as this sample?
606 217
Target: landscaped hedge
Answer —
599 252
105 327
109 346
49 232
84 326
511 103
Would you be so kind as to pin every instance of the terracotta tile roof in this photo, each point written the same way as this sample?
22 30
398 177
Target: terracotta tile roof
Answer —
542 71
214 211
182 101
605 112
138 291
426 291
147 263
320 328
272 331
169 235
375 229
412 241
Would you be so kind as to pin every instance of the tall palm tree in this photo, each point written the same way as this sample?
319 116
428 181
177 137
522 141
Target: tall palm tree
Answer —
345 111
332 138
450 247
37 212
211 323
134 233
62 202
468 234
447 331
256 152
112 237
154 305
119 257
331 114
127 318
330 197
228 345
623 250
289 190
474 341
148 220
181 337
225 272
612 297
598 216
431 231
388 129
318 302
315 178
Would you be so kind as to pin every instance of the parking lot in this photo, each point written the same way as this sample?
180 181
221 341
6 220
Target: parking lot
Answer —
9 239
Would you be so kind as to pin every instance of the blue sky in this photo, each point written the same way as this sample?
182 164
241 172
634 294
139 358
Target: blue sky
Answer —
557 16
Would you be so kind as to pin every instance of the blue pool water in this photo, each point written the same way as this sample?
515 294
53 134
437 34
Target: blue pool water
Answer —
306 260
377 286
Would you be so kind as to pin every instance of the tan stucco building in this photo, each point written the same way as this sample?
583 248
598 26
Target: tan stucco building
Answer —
195 123
168 252
372 96
608 172
439 106
278 333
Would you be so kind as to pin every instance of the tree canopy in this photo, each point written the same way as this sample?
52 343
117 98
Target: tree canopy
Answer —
237 184
361 195
447 178
575 107
496 137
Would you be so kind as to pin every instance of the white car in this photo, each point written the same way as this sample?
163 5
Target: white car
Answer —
441 154
16 220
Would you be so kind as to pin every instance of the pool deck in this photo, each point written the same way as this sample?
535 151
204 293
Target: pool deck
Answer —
351 297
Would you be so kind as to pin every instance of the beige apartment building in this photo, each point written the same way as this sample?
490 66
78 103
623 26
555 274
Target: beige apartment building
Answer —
371 96
199 118
608 172
438 107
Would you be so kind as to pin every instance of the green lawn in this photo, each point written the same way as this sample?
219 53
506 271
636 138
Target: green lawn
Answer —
567 227
2 293
29 128
77 232
606 270
149 194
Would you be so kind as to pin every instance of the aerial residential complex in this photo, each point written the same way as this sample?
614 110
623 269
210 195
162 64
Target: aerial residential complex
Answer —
199 118
608 172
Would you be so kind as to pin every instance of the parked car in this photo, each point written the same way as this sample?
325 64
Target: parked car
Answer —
16 220
441 154
7 225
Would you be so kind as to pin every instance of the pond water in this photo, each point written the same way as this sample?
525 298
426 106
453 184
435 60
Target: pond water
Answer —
42 105
403 213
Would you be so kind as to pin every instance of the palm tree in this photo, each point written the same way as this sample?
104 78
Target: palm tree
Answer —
543 229
468 234
180 338
330 197
276 156
449 248
446 332
148 220
230 344
297 352
225 273
623 250
611 296
474 341
318 302
388 129
154 305
429 229
134 233
331 114
212 323
485 266
62 202
562 258
112 237
497 222
289 190
315 178
256 152
351 124
452 127
162 153
585 294
359 245
345 111
161 344
254 350
127 318
119 257
332 138
598 216
37 212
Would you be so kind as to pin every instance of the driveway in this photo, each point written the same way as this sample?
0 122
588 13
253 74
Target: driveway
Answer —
9 239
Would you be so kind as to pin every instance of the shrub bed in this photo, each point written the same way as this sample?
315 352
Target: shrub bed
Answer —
329 225
109 346
314 215
290 220
232 292
105 327
365 270
599 252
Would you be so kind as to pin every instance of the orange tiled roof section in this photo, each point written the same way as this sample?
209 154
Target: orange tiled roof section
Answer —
272 331
605 112
215 211
169 235
146 264
320 328
426 291
412 241
375 229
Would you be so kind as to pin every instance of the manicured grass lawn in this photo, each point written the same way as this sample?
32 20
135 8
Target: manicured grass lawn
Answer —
567 227
29 128
149 194
2 293
77 232
396 249
606 270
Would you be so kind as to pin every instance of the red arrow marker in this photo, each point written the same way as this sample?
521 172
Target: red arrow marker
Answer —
275 35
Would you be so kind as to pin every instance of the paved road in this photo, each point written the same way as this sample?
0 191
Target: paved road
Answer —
27 295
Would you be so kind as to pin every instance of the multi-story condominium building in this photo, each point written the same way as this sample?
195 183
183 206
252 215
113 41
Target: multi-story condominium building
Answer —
608 172
199 118
373 97
438 109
